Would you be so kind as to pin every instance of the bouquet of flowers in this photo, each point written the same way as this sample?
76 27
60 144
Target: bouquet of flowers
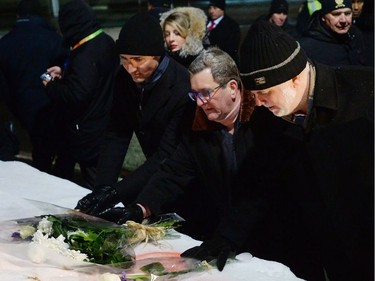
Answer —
72 240
86 238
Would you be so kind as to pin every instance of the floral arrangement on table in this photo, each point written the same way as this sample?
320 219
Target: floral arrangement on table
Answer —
82 238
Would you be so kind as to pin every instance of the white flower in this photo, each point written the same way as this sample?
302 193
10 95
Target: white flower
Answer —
109 277
56 244
45 226
26 231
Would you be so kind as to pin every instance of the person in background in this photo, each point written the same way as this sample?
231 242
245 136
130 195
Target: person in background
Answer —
211 170
331 30
222 30
363 18
158 7
278 14
306 9
82 90
316 126
184 29
357 7
25 53
150 101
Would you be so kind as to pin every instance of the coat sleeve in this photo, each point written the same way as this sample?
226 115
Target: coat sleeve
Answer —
169 181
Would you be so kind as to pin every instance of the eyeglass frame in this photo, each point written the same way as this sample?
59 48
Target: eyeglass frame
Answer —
193 94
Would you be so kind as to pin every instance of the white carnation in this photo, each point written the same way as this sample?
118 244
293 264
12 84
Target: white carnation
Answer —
27 231
56 244
45 226
109 277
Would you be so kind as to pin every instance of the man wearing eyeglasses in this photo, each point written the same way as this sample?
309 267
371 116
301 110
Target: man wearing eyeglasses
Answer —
209 179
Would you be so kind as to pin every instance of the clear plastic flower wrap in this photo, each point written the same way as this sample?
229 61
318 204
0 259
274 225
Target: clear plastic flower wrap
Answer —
71 240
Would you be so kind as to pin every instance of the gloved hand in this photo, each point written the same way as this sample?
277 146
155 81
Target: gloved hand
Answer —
218 248
120 215
103 197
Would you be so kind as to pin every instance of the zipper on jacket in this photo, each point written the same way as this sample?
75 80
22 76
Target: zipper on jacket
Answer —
140 101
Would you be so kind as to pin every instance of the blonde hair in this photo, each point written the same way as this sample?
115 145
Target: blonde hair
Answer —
179 21
190 22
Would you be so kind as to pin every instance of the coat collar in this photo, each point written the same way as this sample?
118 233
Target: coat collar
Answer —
201 123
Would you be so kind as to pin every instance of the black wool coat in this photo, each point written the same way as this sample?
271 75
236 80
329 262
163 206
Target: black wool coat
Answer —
226 35
327 171
155 113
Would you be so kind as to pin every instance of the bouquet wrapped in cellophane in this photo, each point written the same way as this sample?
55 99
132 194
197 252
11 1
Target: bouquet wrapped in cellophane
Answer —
72 240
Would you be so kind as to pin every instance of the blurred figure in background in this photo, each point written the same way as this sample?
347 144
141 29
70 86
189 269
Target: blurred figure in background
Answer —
184 29
223 31
363 18
278 15
157 7
25 53
82 91
305 11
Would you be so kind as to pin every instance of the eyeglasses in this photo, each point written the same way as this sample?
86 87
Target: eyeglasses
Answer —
206 95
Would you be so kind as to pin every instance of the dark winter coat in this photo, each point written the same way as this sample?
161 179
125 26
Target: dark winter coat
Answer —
155 114
226 35
327 170
325 46
84 93
26 52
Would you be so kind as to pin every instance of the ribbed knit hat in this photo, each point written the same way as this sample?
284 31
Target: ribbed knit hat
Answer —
217 3
269 56
141 35
279 6
331 5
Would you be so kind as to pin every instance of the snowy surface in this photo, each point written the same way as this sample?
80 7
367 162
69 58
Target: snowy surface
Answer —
19 183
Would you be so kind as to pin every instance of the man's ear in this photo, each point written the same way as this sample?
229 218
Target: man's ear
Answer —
297 80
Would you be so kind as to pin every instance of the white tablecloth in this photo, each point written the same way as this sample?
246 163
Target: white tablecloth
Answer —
20 182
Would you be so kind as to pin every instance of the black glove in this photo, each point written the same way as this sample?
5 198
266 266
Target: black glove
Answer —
219 249
103 197
120 215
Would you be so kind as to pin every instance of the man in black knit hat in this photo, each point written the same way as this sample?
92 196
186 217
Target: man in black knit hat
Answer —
150 101
320 152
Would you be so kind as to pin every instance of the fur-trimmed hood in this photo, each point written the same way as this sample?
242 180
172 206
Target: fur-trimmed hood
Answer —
201 123
194 39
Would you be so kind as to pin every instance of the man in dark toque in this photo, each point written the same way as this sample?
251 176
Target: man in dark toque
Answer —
151 101
320 151
25 53
82 90
222 30
331 38
278 14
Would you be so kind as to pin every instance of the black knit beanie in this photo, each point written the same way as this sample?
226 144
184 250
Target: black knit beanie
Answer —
141 35
331 5
279 6
217 3
269 56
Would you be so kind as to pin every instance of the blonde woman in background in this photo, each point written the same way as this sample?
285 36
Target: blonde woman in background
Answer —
184 30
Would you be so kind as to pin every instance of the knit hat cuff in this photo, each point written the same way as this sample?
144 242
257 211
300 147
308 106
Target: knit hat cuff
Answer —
277 74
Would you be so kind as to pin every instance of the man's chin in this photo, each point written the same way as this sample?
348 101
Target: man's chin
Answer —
138 80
